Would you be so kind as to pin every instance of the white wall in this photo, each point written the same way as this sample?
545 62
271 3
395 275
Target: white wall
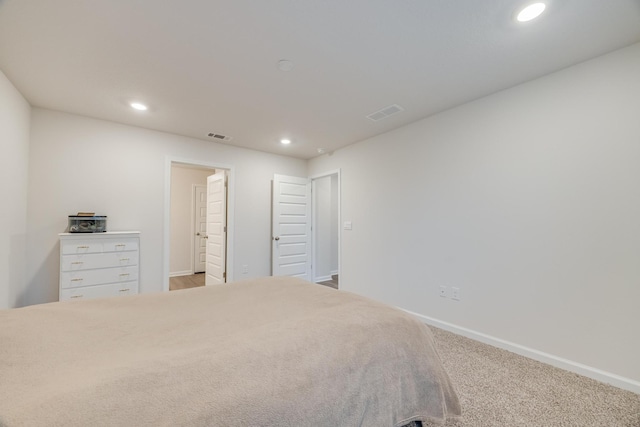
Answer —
528 200
77 163
183 178
15 114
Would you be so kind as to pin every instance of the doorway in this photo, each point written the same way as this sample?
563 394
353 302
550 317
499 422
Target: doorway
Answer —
188 205
326 228
185 247
305 227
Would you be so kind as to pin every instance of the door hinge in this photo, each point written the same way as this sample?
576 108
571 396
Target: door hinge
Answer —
224 275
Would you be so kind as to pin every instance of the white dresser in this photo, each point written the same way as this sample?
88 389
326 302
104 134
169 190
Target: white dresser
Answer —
96 265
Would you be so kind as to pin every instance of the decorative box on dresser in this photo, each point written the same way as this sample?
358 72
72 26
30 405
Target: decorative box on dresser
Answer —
95 265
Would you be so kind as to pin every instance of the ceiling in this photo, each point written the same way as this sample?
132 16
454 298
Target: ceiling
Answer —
212 65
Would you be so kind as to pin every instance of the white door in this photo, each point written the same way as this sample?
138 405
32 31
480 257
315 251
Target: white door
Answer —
216 229
200 228
291 228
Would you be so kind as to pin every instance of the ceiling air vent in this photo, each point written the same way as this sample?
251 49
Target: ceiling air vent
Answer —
385 112
219 137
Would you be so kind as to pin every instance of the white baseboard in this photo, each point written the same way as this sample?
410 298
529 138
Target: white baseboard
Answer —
558 362
181 273
334 272
322 279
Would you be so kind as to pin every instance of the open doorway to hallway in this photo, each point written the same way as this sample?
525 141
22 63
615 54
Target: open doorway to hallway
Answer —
188 219
186 238
305 227
326 228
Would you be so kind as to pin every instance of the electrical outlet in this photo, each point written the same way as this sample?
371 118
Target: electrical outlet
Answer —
245 269
443 291
455 293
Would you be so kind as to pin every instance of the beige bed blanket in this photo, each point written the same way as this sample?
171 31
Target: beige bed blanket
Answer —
266 352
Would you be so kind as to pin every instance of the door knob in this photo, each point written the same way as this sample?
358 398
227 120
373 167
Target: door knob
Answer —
276 238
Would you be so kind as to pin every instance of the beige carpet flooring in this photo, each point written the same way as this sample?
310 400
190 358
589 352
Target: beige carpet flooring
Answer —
499 388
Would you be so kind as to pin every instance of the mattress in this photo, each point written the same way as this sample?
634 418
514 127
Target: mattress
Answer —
274 351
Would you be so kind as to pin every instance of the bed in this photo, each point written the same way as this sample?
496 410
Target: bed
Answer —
274 351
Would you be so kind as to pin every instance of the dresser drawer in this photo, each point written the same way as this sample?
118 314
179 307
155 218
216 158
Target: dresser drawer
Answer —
120 245
103 260
80 247
99 291
74 279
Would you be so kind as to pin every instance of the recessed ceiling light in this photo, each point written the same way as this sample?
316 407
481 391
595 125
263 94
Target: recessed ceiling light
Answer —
531 12
285 141
138 106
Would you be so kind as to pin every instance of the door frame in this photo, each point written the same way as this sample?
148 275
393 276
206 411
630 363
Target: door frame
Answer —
314 238
169 160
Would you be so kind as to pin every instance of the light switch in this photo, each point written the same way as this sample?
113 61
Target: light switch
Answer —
347 225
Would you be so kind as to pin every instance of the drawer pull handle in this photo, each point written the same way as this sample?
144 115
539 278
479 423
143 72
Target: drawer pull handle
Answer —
124 290
77 263
124 274
77 280
124 259
121 245
83 247
77 296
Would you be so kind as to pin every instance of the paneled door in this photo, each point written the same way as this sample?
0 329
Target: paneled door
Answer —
291 227
216 229
200 228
